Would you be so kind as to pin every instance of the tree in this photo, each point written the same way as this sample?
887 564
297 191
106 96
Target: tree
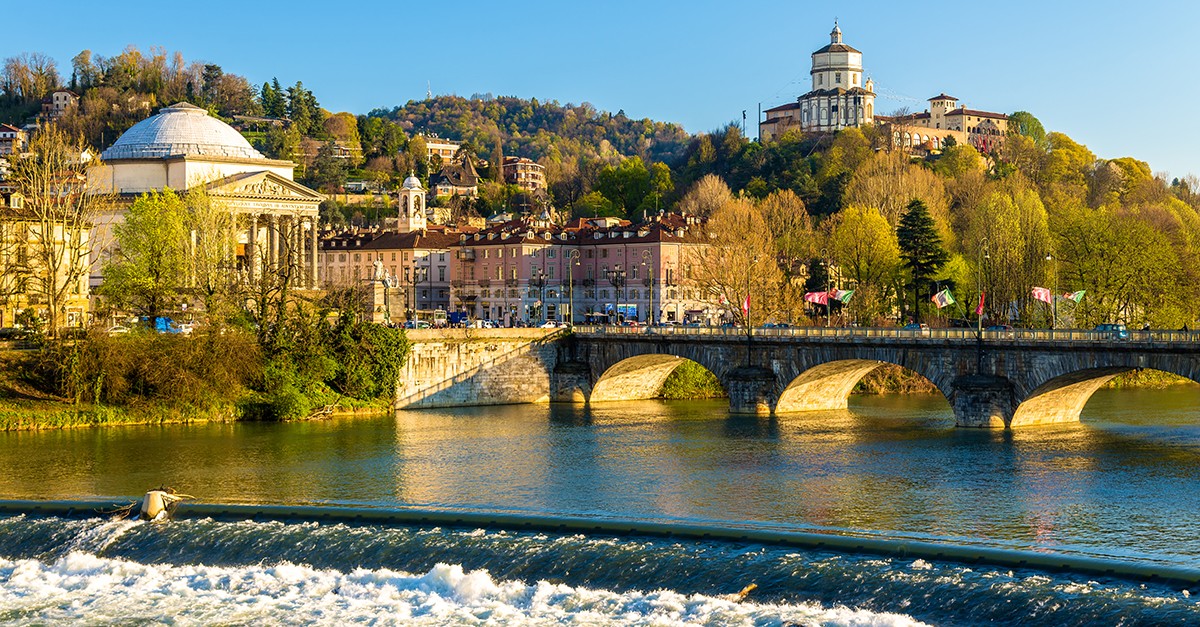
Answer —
865 249
148 270
59 211
1024 123
273 103
706 196
787 219
329 171
212 252
922 252
888 182
738 263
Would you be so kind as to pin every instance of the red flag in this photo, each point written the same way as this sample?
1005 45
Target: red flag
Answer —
979 309
746 305
820 298
1042 294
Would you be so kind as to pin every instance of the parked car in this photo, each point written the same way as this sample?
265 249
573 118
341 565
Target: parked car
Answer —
416 324
1001 330
916 329
12 333
1113 331
118 330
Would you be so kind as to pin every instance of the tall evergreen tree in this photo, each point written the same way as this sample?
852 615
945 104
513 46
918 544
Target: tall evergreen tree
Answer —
273 104
921 249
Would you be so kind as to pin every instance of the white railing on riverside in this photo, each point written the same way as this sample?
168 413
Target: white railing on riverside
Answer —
854 333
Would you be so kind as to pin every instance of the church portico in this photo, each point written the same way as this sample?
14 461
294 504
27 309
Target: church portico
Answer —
183 148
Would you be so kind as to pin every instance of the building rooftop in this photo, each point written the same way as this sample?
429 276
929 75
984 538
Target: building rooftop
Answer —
181 130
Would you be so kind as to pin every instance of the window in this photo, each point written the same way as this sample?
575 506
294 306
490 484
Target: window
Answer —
512 252
487 252
550 253
837 77
590 252
342 257
513 273
357 257
550 272
604 253
471 272
441 256
441 273
393 256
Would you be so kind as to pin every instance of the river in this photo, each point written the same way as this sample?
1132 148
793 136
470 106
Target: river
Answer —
1122 484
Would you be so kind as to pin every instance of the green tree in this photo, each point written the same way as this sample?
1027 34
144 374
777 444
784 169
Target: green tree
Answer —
329 171
1024 123
149 270
922 252
866 251
273 103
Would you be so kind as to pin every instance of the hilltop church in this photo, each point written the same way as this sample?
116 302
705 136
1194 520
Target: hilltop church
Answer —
842 98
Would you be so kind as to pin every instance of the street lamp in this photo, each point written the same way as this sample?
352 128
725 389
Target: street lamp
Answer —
616 278
1054 294
572 263
983 257
828 276
539 281
648 263
749 331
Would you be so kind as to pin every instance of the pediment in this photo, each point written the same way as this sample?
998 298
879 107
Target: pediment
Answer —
263 185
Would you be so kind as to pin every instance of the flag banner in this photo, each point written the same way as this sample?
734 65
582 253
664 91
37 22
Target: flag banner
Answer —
843 295
746 305
979 308
1042 294
943 299
820 298
1075 297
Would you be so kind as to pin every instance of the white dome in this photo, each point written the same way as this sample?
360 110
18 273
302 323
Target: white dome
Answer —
181 129
412 182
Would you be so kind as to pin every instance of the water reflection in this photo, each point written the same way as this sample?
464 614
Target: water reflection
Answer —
1121 482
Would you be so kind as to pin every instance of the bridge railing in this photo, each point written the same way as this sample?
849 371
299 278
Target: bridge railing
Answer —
851 333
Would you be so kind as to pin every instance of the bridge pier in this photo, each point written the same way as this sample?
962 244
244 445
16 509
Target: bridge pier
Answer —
570 382
752 390
982 401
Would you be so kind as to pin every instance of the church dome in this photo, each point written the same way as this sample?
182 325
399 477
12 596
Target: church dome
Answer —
412 182
181 130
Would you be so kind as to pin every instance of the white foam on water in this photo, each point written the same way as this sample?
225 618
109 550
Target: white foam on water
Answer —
84 587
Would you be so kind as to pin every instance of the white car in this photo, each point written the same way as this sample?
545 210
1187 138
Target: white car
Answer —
118 330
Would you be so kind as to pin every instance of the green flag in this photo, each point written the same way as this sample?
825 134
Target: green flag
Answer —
1075 296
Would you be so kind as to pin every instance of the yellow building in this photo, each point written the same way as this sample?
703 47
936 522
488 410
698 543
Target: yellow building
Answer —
41 260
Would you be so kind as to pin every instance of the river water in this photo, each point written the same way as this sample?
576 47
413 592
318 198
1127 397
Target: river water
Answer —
1122 484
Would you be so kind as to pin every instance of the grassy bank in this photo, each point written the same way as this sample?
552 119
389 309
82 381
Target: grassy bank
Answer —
323 370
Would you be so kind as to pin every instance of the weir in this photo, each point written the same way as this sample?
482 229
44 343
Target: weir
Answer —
872 544
989 380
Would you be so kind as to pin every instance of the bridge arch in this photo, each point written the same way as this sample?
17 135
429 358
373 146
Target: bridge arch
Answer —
636 378
825 380
1062 396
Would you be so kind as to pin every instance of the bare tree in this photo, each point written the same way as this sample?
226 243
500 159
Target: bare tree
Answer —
59 211
739 263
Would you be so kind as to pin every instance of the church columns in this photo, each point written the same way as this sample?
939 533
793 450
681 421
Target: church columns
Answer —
273 242
312 231
252 246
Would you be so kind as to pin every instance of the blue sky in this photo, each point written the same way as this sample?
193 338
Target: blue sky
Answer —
1117 76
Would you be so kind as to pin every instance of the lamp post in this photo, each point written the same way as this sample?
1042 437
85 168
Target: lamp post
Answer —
648 263
1054 294
983 257
616 278
749 330
828 277
572 262
539 281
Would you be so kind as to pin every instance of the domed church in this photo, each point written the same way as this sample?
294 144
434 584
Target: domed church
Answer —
183 147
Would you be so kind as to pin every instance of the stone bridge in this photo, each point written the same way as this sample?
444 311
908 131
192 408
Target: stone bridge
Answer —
1000 379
